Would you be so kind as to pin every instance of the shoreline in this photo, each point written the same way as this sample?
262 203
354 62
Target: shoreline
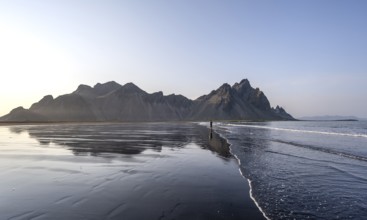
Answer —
126 122
248 180
239 169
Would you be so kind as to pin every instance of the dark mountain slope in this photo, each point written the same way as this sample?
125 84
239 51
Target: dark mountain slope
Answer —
240 101
113 102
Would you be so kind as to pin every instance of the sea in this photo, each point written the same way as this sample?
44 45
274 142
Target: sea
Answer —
303 169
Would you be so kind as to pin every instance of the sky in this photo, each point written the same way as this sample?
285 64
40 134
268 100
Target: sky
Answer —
309 56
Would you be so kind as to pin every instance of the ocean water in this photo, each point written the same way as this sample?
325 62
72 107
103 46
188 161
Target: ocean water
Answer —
303 170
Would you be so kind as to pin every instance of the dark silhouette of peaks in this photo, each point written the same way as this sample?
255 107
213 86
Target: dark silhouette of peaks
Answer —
111 101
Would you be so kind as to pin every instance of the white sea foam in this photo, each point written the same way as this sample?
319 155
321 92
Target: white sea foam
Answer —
203 123
249 181
253 199
297 130
333 176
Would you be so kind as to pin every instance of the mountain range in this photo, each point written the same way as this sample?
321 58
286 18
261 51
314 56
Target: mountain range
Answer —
112 102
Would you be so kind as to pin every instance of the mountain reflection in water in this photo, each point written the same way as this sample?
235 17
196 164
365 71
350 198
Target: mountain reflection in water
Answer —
109 140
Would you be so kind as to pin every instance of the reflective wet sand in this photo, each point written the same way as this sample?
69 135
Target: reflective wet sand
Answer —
119 171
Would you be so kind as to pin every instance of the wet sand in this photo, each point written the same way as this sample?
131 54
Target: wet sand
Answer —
119 171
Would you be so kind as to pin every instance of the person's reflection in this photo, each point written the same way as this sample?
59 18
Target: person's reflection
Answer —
211 130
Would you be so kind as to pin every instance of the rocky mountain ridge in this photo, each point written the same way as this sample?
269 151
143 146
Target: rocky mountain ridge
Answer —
114 102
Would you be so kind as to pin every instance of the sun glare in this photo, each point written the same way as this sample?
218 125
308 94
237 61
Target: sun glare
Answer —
26 56
28 61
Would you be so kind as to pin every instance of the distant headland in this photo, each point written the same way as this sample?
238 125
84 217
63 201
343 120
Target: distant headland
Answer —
330 118
112 102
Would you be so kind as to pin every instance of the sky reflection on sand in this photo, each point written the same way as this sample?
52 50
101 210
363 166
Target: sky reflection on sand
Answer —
134 171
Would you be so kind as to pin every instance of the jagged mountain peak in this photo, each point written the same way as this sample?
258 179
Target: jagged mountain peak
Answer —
99 89
107 84
224 90
159 93
242 83
245 81
243 86
111 101
105 88
17 109
131 88
258 92
282 113
84 90
83 87
225 86
46 100
131 85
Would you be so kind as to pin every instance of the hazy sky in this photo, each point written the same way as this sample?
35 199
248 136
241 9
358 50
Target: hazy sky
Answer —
308 56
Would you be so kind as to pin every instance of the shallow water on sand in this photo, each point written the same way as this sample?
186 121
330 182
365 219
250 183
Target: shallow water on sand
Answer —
119 171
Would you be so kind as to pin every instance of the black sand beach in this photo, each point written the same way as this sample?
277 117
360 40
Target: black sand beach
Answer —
119 171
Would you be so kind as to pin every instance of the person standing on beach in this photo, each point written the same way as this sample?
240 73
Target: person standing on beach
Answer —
211 130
